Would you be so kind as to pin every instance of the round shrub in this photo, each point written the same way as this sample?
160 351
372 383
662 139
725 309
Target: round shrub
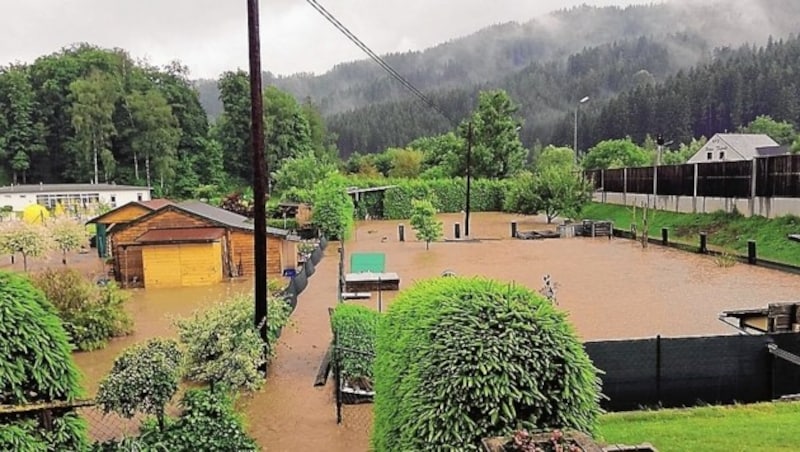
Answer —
462 359
35 367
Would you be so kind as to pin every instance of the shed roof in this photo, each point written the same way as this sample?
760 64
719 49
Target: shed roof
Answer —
226 217
772 151
152 205
181 235
69 188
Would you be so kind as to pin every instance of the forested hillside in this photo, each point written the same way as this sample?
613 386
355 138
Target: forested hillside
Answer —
530 60
723 95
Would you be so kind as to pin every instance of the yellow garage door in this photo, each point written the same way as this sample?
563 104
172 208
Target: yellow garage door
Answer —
190 264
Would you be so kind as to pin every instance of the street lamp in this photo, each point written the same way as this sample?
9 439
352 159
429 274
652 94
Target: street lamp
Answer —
575 137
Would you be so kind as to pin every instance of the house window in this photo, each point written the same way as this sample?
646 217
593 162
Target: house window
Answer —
709 156
113 200
722 155
138 196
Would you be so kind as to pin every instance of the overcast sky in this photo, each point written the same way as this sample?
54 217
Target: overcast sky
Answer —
210 36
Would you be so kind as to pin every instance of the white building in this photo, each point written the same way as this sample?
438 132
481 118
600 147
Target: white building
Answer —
70 195
730 147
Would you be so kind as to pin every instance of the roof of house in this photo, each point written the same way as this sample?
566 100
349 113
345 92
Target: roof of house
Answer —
746 144
772 151
181 235
68 188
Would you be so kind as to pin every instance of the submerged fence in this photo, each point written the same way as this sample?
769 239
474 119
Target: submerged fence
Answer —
676 372
777 176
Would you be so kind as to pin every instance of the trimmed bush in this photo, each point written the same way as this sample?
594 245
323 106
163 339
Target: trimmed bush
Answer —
355 327
462 359
91 314
35 367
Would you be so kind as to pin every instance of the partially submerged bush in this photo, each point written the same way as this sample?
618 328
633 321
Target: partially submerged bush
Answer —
207 423
355 327
143 379
91 314
223 345
461 359
35 367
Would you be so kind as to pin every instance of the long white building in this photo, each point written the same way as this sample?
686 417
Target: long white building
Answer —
71 195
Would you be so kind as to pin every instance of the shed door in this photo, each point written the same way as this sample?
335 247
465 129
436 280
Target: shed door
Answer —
192 264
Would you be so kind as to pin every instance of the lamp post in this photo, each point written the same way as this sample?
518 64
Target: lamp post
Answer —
259 169
469 177
575 137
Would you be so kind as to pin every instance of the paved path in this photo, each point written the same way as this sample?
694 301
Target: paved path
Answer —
290 414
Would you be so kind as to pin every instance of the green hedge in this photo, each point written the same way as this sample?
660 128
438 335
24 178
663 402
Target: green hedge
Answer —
36 366
447 195
462 359
355 327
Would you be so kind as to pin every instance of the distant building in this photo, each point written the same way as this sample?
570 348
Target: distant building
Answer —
82 196
731 147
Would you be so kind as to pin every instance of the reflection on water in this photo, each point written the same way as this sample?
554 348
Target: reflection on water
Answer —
153 312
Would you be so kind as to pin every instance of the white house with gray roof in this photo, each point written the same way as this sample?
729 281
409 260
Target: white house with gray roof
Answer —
731 147
70 195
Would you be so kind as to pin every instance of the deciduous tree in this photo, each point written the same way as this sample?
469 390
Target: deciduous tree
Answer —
93 100
29 240
424 222
68 235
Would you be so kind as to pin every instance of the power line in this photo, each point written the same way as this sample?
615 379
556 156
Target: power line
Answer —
375 57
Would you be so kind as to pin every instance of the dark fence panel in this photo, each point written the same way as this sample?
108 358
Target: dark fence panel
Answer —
687 371
724 179
676 180
630 372
786 375
721 369
640 180
614 180
310 268
778 176
316 256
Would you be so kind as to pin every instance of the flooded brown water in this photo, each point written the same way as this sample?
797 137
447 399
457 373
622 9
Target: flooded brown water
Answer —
611 289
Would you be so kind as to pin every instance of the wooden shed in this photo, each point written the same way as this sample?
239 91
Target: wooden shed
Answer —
191 244
131 211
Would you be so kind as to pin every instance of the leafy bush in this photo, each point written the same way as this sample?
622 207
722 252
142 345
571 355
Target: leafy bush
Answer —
35 366
333 208
143 379
90 314
207 423
222 345
355 327
461 359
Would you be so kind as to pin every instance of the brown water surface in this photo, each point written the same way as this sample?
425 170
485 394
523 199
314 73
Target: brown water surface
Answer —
611 289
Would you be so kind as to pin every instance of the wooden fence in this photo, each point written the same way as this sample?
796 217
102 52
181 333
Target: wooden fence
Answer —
764 177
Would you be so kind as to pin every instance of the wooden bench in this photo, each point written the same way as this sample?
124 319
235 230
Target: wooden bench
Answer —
356 295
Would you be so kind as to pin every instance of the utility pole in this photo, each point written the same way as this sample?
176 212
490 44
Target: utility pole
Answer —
469 178
259 169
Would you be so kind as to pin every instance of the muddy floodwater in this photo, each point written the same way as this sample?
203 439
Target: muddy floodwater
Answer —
611 289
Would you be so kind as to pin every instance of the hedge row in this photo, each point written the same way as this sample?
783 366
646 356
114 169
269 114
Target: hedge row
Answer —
447 195
355 327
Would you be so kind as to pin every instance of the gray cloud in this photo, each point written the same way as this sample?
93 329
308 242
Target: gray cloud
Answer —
210 36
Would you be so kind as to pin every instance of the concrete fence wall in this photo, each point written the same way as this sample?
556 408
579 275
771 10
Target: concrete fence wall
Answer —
762 206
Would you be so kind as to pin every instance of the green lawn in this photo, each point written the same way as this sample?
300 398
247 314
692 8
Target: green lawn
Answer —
725 231
767 427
